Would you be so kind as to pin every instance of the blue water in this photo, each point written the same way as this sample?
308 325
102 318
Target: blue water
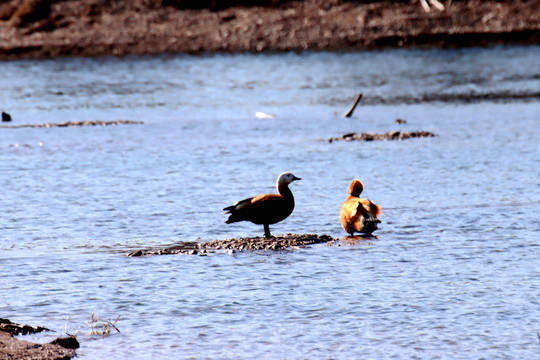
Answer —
453 272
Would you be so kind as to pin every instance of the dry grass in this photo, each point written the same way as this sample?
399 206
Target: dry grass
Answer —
97 326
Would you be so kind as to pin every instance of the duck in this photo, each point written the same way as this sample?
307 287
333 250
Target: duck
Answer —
265 209
357 214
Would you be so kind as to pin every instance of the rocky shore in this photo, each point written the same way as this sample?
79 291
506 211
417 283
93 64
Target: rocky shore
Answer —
391 135
273 243
12 348
49 28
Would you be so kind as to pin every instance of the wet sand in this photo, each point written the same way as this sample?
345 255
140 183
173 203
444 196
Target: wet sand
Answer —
94 28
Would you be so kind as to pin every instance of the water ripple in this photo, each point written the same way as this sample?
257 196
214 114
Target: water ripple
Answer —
451 274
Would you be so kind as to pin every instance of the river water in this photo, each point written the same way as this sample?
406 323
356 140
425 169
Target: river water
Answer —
454 271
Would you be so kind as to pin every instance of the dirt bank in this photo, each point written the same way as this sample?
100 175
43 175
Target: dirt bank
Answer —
12 348
98 27
74 124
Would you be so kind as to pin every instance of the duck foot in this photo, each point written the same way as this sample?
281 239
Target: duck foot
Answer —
267 231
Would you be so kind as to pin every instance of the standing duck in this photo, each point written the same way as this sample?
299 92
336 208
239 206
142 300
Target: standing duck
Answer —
357 214
265 209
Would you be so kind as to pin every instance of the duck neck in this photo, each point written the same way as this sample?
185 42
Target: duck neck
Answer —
283 190
356 188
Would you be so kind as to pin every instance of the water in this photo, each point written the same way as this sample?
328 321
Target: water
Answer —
453 272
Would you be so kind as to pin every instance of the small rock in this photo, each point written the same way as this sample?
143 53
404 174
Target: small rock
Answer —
6 117
69 342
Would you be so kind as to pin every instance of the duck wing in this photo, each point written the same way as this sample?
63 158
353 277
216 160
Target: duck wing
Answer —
368 209
348 214
237 205
262 209
359 215
366 216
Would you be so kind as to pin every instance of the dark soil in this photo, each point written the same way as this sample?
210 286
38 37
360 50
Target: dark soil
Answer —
48 28
12 348
18 329
391 135
279 242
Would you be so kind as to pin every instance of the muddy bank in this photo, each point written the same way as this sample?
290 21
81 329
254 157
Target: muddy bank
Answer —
73 124
48 28
12 348
391 135
274 243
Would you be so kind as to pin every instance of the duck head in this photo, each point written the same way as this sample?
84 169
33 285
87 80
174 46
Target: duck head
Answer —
356 188
286 178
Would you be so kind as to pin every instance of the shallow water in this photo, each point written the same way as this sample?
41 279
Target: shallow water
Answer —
453 272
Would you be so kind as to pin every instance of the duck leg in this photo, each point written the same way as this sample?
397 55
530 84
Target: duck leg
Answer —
267 231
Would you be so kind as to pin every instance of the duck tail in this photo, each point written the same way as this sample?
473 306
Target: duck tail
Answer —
232 217
236 210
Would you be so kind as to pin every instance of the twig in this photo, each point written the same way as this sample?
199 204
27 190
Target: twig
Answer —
113 323
102 327
65 326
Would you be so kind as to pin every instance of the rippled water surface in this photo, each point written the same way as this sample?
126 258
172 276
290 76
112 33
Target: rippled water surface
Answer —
453 273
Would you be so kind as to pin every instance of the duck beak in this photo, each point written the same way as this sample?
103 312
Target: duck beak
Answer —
296 178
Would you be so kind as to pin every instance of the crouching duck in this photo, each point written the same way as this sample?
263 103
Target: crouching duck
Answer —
265 209
357 214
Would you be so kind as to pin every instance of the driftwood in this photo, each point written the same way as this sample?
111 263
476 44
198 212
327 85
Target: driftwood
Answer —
351 110
276 243
435 3
391 135
74 124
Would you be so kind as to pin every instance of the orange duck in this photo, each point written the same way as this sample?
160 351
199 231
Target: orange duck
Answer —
265 209
357 214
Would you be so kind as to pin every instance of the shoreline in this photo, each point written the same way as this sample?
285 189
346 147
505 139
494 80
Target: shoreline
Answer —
88 28
14 348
